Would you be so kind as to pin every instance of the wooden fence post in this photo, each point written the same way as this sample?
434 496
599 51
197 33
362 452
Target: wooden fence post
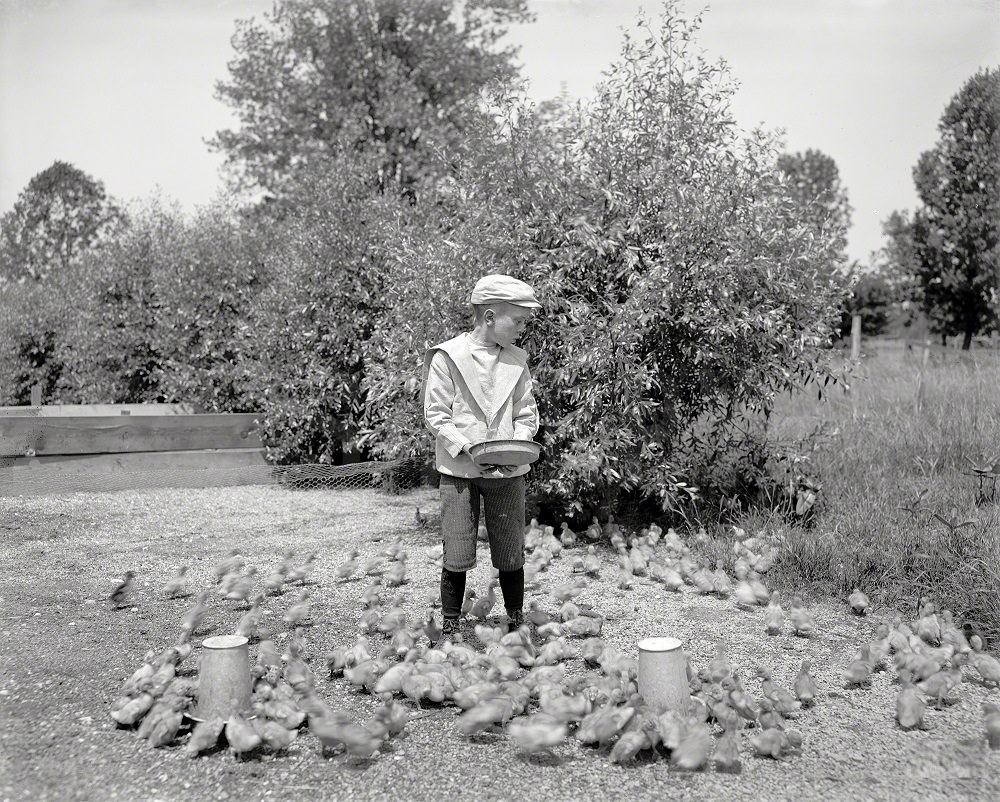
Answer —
36 395
855 338
925 356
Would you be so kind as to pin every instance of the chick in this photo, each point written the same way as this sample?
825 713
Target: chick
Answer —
204 736
129 709
240 734
273 734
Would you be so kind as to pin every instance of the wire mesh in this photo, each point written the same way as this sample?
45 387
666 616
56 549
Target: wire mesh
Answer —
391 476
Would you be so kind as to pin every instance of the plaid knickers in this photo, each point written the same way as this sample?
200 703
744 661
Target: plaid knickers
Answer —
503 503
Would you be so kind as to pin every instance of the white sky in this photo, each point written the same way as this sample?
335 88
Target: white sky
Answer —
123 89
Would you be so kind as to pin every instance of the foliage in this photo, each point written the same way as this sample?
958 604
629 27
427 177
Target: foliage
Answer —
31 323
60 215
157 314
311 321
813 180
392 79
956 230
683 287
873 298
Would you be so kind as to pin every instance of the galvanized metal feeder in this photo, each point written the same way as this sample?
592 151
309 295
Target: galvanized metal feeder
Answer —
662 680
224 677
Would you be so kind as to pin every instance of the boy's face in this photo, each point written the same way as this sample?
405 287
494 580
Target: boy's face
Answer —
508 323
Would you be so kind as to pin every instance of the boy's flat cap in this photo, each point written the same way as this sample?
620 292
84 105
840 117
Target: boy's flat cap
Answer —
490 289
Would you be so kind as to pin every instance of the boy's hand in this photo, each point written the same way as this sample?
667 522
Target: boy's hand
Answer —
498 471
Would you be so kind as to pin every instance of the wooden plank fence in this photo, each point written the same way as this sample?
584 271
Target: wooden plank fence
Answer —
106 434
104 446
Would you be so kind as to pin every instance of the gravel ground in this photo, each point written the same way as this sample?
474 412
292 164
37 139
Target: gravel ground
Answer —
67 651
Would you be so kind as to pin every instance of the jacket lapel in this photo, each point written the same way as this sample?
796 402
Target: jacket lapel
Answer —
509 369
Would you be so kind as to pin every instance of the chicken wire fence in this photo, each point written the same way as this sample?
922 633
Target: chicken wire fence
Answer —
391 476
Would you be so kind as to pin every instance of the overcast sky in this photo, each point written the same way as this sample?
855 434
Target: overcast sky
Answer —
123 89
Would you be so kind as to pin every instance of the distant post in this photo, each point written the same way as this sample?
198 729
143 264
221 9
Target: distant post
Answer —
36 395
855 338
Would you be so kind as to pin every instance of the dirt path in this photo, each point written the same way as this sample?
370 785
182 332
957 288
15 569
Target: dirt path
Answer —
66 654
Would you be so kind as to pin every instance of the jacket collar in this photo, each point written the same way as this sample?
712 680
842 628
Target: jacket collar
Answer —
512 362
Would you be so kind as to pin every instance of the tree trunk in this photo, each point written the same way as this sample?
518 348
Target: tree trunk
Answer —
967 339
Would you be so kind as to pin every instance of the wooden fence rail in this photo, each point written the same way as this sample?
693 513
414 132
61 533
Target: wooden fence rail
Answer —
38 436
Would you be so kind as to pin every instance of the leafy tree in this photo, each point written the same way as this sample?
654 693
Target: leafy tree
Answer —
872 298
161 313
395 79
305 346
814 182
59 216
956 230
683 288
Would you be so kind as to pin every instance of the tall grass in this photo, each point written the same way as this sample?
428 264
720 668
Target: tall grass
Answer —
892 454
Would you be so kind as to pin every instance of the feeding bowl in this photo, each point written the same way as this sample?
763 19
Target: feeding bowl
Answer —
505 452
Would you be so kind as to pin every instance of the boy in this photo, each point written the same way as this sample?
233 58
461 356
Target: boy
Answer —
477 387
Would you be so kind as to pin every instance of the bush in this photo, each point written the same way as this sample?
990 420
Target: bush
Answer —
312 320
682 288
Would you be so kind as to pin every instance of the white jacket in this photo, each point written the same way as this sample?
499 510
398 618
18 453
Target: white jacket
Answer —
458 411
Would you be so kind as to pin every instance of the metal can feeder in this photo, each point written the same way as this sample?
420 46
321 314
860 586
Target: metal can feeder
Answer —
224 677
663 681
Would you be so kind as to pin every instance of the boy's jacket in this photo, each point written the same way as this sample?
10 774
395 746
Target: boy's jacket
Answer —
458 410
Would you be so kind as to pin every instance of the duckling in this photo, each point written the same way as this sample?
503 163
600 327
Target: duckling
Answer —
691 754
250 621
803 624
727 753
805 686
481 608
910 707
300 573
298 612
537 733
858 602
174 588
991 713
567 536
230 564
774 616
122 592
346 570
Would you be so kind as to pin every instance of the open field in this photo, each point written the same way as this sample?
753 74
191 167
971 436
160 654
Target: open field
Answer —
67 652
894 456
